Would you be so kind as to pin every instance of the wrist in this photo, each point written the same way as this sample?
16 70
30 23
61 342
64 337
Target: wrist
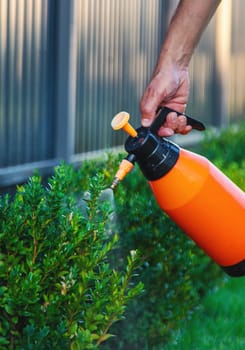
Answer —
172 60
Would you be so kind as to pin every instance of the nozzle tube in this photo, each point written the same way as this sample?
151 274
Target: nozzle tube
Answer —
125 167
115 182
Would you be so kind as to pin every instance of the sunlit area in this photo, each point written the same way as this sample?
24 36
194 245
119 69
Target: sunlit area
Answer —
114 235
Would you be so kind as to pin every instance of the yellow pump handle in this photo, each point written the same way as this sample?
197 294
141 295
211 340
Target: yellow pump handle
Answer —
120 121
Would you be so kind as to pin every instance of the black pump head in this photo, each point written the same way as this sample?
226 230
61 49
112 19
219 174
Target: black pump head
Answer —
155 155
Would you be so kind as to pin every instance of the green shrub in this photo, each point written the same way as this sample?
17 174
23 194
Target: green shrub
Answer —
226 151
57 287
225 148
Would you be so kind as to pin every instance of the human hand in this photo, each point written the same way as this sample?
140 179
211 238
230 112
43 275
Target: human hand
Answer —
168 87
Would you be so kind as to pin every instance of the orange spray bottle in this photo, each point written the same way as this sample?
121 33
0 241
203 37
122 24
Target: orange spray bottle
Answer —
194 193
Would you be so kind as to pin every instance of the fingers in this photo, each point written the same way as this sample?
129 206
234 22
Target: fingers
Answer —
174 124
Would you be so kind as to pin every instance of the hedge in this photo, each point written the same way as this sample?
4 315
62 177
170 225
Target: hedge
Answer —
58 289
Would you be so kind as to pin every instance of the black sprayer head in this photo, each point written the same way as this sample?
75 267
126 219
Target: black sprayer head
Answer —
156 156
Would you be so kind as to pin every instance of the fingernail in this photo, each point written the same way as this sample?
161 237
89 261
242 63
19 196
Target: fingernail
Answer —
146 122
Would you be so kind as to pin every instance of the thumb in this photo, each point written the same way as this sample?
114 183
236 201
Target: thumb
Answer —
148 106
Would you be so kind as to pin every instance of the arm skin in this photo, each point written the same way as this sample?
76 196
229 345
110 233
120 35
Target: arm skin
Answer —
170 84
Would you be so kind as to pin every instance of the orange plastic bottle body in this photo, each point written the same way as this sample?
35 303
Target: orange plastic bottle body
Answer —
208 206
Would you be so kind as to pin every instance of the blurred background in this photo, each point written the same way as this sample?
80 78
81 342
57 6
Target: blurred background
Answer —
66 67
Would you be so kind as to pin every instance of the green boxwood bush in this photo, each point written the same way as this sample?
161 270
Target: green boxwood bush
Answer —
58 289
226 150
226 147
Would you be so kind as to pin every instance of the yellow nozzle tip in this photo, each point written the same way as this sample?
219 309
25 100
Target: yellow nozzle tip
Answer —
120 120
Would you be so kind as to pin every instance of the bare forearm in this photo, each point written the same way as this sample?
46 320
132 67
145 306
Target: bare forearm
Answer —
169 85
185 29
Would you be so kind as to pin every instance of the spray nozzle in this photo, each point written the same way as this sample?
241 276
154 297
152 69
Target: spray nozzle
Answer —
125 167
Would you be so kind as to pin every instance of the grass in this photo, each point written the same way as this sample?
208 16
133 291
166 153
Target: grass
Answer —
219 324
